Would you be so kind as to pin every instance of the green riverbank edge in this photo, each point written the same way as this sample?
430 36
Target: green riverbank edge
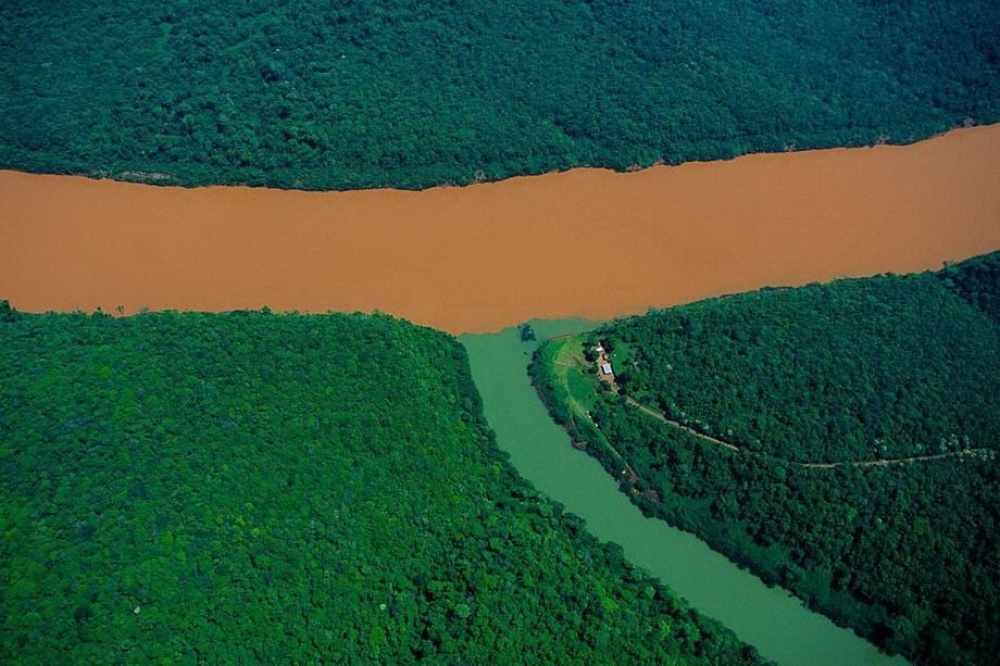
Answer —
259 488
373 93
660 466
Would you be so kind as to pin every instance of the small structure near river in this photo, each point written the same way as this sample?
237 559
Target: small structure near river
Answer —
604 368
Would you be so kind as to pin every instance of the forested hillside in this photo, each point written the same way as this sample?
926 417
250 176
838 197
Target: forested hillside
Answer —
839 439
253 488
366 93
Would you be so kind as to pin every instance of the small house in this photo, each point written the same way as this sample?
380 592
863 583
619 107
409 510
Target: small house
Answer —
606 369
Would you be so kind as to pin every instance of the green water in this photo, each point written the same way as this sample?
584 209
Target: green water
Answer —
776 623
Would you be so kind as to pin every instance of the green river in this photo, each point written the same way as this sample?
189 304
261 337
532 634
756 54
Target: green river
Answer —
772 620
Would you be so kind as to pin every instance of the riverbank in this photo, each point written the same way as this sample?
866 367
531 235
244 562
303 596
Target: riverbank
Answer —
587 242
770 619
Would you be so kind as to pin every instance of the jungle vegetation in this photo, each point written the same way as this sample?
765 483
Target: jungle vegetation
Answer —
839 439
261 488
366 93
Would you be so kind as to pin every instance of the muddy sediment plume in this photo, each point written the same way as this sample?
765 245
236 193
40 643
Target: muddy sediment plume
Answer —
588 242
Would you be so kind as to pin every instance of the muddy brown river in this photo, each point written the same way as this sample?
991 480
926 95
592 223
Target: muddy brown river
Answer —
587 243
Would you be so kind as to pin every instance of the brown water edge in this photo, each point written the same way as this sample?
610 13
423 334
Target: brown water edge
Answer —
588 243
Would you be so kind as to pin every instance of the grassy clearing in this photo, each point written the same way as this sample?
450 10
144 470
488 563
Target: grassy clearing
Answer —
573 382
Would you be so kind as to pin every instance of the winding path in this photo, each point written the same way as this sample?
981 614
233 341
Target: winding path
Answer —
861 463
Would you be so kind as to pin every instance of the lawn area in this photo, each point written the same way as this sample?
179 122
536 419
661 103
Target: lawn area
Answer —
572 376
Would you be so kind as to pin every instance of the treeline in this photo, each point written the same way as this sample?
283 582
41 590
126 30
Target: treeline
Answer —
854 371
369 93
256 488
977 280
888 367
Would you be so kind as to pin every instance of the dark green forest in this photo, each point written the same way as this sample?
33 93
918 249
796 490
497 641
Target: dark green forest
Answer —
260 488
825 390
368 93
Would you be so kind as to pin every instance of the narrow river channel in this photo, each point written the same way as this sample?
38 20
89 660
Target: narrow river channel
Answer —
772 620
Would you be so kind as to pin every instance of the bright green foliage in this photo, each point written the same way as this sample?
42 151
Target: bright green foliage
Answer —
572 385
857 370
365 93
256 488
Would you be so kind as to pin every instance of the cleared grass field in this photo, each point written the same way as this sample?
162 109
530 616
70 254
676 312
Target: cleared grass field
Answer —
570 374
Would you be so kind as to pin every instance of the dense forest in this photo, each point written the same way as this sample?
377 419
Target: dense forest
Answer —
840 440
367 93
259 488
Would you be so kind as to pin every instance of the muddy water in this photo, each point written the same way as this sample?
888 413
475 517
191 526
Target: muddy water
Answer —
587 243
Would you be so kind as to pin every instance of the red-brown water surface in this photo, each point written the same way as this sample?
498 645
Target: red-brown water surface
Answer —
587 243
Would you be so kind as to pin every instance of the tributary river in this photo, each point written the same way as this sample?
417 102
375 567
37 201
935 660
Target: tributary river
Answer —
776 623
585 243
